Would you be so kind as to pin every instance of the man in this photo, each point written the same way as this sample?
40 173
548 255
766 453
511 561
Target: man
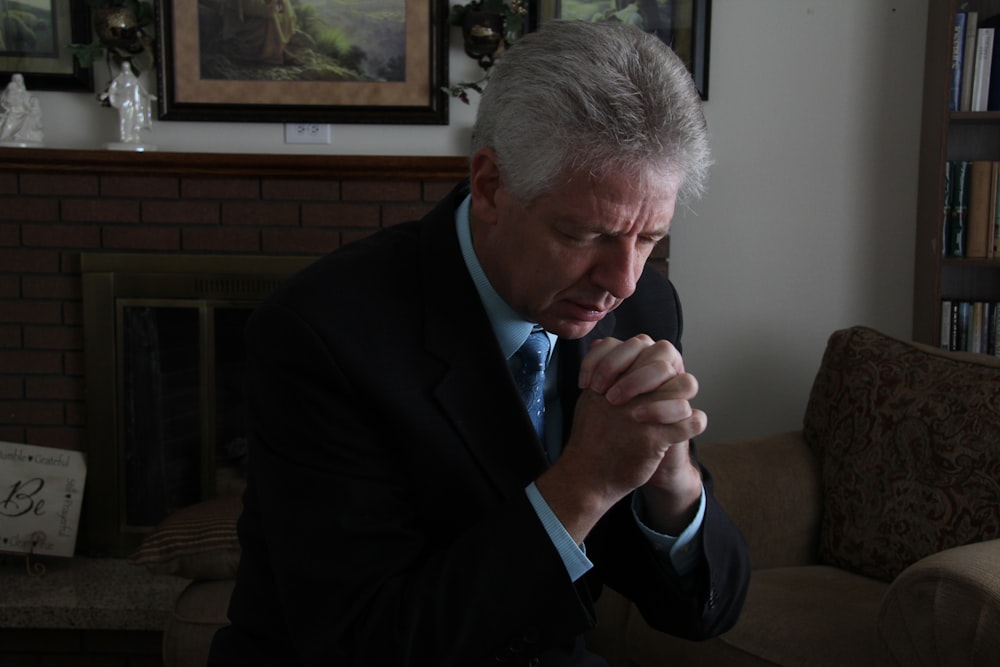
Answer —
401 508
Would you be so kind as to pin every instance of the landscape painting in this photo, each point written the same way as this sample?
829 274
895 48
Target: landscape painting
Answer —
301 60
312 40
34 41
27 27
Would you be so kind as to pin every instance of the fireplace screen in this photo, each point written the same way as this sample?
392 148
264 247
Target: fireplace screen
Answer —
172 406
164 362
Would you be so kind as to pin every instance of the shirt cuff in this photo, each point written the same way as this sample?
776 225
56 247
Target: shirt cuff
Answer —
573 555
684 550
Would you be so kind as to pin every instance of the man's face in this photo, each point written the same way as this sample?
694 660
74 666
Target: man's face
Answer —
574 254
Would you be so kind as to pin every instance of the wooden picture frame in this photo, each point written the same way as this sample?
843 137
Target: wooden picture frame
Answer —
35 43
215 67
686 25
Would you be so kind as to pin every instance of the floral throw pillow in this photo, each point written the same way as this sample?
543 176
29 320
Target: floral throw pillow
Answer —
908 439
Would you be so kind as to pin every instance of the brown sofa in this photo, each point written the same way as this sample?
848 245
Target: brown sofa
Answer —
873 532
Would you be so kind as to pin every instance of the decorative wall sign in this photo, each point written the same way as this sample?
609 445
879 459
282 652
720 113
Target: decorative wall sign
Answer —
41 489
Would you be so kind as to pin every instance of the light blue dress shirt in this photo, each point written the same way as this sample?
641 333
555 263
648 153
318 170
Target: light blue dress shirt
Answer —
683 551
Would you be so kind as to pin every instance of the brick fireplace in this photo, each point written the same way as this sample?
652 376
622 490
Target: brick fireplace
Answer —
56 206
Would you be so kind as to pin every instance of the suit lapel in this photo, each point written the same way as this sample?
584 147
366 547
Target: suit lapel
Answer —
475 390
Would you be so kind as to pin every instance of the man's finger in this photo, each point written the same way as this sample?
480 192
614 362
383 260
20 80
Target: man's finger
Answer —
609 360
655 366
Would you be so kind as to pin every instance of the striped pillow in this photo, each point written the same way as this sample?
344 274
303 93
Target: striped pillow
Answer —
196 542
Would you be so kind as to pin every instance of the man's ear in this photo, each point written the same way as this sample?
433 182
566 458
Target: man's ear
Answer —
484 181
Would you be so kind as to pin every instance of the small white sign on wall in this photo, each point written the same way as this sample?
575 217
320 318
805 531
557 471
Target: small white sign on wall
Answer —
41 489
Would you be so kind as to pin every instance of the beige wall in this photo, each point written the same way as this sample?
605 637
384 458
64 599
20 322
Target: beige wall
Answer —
809 223
807 226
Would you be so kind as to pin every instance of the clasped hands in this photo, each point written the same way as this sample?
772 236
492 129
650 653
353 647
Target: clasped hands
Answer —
631 430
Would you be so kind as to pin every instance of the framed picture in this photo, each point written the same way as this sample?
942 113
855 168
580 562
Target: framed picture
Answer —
681 24
34 41
320 61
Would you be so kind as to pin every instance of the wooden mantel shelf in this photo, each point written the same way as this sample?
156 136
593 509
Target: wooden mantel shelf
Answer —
343 167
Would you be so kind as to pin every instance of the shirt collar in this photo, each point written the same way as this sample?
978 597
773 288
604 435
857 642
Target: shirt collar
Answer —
510 328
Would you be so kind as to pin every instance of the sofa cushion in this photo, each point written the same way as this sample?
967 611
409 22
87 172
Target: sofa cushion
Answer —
200 611
908 440
812 615
196 542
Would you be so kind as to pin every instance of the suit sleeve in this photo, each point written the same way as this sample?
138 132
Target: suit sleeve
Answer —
626 560
703 605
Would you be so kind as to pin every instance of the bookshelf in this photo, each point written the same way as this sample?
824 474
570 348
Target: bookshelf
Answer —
948 136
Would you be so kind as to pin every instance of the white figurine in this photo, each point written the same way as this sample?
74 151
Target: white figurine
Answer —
20 115
127 95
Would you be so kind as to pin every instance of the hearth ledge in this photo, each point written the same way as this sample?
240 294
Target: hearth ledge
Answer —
85 594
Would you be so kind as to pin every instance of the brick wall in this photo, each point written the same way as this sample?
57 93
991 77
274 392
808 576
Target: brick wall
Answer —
55 205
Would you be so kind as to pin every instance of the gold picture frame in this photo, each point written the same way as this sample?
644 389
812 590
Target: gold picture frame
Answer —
338 62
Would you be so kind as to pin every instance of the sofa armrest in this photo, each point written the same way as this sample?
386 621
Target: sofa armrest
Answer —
771 488
944 609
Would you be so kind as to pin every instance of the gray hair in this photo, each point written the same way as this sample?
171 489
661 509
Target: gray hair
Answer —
602 97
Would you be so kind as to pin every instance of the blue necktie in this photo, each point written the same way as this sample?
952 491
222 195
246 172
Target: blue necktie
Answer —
529 375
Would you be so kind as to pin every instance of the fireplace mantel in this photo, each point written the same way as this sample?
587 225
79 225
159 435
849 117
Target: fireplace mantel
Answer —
340 167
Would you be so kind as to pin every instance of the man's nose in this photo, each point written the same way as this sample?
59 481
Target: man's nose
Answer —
618 268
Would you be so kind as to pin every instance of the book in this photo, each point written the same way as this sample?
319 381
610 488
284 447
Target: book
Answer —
989 328
982 69
976 320
946 213
957 60
961 341
946 319
993 96
968 59
993 343
958 202
981 213
991 226
995 239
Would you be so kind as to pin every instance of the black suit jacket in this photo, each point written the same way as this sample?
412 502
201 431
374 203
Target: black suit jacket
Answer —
385 520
